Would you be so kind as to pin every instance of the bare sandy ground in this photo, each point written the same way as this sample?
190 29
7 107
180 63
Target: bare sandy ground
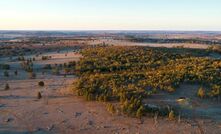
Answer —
61 111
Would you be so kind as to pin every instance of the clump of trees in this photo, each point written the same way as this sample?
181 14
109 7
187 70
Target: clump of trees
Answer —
128 75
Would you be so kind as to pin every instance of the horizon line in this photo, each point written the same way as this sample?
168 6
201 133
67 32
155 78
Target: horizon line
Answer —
142 30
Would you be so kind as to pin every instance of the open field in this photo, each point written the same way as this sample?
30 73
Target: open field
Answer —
59 62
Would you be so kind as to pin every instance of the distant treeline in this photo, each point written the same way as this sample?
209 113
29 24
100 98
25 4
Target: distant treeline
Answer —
192 41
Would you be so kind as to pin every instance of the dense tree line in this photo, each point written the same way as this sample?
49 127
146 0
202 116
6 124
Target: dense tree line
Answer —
167 40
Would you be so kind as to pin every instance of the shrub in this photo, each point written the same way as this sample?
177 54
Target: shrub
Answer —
39 96
201 93
7 86
32 75
140 112
171 115
46 57
6 74
41 83
56 71
16 72
4 66
215 90
111 108
67 70
48 66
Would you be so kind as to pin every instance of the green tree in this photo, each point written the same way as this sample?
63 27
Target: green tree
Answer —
7 86
201 92
140 112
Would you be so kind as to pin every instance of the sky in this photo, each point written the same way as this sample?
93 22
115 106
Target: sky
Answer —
188 15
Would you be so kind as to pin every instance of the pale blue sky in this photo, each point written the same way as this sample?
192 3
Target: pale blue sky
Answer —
110 15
